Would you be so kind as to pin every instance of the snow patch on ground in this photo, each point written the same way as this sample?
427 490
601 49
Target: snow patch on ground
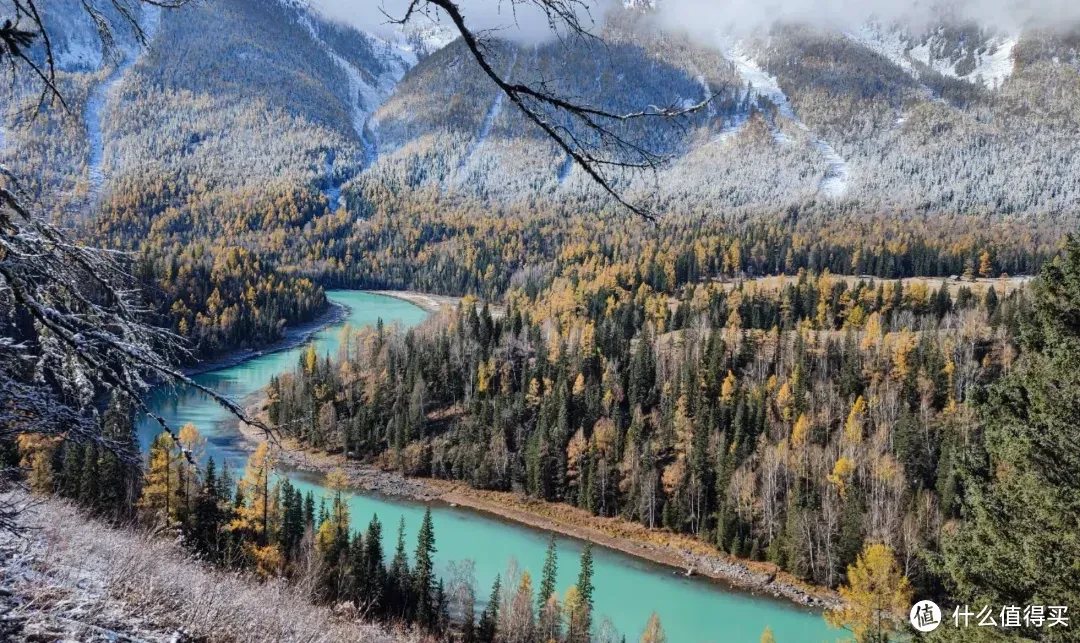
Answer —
707 93
761 83
993 66
890 43
835 182
79 54
365 94
564 169
100 95
489 118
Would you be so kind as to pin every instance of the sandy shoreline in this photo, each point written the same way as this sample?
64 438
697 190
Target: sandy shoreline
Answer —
435 303
429 303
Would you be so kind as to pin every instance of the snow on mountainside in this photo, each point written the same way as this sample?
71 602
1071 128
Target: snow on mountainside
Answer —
244 94
965 54
105 91
834 184
991 63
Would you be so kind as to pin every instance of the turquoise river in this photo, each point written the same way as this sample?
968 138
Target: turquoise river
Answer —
627 589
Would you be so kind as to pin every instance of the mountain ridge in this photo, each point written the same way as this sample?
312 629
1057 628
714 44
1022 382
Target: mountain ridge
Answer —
878 118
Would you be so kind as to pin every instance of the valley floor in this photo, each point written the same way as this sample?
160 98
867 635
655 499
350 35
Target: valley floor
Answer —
68 577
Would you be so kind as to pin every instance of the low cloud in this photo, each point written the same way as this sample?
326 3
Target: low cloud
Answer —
698 16
519 21
524 22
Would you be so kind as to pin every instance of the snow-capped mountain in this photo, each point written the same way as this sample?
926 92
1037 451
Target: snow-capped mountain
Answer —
970 54
246 93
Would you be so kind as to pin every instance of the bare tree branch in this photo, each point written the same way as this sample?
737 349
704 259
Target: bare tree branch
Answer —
539 103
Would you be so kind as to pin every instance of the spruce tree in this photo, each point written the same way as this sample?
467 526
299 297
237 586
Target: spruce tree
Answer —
585 588
375 574
398 579
208 520
489 618
357 570
547 579
89 486
71 470
309 510
1017 543
423 576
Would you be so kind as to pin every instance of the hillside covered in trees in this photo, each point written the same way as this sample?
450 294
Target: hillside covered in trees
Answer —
262 168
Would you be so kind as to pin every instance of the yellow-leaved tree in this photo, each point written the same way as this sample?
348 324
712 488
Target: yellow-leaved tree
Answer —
193 443
37 451
161 485
876 599
654 632
337 523
259 510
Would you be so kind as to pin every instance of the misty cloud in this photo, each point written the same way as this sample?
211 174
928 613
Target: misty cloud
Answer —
700 16
708 17
521 22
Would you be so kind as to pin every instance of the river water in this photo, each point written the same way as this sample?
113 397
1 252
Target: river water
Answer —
627 589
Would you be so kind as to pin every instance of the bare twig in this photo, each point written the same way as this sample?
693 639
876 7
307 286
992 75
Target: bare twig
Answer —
539 102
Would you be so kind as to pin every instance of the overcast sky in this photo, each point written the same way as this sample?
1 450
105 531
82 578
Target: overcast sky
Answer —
707 17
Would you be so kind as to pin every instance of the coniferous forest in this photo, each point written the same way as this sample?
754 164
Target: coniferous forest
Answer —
816 322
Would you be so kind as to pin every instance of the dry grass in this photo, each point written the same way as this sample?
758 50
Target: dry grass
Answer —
77 579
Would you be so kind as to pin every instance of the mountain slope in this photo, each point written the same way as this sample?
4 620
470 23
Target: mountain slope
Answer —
245 106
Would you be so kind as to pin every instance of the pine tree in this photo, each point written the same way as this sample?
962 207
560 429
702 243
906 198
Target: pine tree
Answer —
375 573
423 577
398 581
547 579
486 629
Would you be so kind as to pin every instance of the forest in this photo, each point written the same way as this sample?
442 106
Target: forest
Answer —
256 522
787 426
814 425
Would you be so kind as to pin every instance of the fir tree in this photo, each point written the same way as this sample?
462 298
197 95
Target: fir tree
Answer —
547 579
398 581
423 576
585 588
489 618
